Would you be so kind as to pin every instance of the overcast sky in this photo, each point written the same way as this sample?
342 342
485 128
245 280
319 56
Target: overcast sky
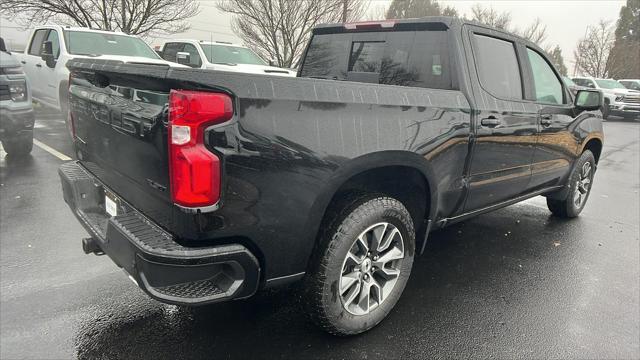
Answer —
566 20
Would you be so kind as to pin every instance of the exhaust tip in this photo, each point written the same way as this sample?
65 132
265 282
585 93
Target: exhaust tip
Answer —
90 246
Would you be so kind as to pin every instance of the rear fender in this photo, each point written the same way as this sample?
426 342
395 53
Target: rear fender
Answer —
369 162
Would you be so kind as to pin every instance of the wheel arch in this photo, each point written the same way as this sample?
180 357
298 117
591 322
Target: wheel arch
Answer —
595 146
363 174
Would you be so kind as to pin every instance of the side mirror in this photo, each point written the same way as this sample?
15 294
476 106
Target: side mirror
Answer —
183 58
3 47
47 54
588 100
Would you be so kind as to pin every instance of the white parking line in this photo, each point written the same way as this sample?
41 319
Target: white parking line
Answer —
51 150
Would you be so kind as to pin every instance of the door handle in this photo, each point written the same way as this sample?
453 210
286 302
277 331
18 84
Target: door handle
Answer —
545 119
38 65
491 121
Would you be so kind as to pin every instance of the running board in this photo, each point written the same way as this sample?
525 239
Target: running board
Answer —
448 221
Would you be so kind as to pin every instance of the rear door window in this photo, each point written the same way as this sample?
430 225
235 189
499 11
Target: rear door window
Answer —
405 58
498 67
36 42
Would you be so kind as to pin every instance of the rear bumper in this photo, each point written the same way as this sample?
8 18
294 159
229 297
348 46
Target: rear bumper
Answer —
164 269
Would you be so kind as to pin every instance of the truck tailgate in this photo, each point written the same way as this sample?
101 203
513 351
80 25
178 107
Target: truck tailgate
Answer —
121 137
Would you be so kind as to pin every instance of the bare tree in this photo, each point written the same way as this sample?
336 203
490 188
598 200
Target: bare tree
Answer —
376 12
403 9
536 32
490 16
592 52
279 29
353 9
137 17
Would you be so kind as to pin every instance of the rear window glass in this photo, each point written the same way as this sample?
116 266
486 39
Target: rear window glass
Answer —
406 58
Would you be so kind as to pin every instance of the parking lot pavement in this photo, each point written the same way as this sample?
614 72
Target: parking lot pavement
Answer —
513 283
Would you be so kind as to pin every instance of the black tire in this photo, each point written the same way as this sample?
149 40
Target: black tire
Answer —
605 109
569 207
19 146
322 297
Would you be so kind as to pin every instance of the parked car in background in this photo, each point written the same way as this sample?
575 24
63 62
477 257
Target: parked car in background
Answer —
218 55
573 87
632 84
618 100
224 184
51 46
16 111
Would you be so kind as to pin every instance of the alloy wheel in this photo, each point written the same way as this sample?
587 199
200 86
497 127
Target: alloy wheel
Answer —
583 185
371 268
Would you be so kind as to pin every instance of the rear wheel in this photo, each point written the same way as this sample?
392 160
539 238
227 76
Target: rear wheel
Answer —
580 183
19 146
362 266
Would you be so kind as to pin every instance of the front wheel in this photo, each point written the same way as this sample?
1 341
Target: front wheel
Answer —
19 146
605 109
362 265
580 183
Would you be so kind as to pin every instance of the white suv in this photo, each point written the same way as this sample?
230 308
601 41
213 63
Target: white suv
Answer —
618 99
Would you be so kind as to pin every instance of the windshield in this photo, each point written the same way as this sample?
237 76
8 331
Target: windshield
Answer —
230 55
633 85
610 84
94 43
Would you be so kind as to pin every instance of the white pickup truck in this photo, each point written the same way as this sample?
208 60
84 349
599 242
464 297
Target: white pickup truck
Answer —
221 56
618 100
51 46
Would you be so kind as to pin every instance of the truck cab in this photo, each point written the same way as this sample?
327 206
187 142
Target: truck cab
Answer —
221 56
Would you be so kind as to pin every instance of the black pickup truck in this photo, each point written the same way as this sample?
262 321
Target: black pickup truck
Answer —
207 186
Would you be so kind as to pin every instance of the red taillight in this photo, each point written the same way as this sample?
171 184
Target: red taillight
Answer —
194 171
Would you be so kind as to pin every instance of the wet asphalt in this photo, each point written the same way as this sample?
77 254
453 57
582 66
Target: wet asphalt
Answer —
516 283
